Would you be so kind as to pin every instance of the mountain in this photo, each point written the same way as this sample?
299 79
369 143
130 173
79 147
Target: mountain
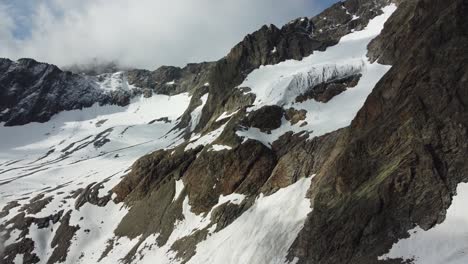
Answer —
340 138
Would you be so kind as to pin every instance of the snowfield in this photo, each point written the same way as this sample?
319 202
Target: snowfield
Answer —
75 161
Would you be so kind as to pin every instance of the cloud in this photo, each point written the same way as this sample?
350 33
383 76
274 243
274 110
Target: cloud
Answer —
6 27
141 33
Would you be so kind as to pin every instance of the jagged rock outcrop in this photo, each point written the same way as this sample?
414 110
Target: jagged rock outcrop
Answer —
172 80
241 170
266 118
152 170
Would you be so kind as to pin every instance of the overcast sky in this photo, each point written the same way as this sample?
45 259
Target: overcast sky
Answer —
137 33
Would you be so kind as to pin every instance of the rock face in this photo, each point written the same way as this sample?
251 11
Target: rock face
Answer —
152 170
32 91
397 165
407 146
172 80
324 92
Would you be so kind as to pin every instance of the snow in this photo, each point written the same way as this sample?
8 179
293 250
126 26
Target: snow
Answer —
26 171
179 186
256 227
445 243
14 235
42 238
280 84
274 50
18 259
101 226
353 16
206 84
234 198
266 139
226 115
294 79
197 112
171 83
114 82
149 251
209 138
216 147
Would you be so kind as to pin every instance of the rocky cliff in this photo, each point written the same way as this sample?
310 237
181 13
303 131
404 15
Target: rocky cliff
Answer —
325 141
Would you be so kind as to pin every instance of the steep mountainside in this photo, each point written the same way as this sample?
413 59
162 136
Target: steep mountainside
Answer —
340 138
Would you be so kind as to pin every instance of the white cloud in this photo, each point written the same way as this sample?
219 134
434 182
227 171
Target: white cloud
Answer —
6 28
143 33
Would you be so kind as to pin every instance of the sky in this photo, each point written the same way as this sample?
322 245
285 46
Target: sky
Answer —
137 33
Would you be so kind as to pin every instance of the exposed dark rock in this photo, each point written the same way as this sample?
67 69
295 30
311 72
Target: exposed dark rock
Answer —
300 157
324 92
186 118
186 246
157 213
6 209
101 138
162 119
33 91
224 214
397 39
407 147
45 221
152 170
101 122
62 240
25 247
266 118
91 195
242 170
172 80
294 116
36 204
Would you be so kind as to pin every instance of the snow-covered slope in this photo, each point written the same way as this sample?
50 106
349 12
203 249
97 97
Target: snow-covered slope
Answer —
77 149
